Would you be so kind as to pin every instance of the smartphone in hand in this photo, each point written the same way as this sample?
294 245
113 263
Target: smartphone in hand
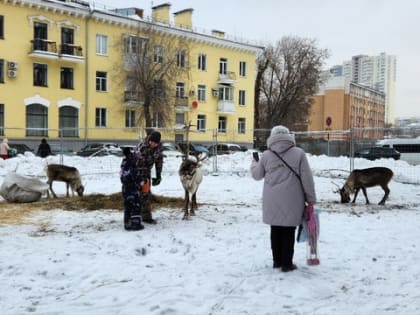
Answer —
255 156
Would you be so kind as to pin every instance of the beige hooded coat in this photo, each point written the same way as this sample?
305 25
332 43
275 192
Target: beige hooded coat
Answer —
283 198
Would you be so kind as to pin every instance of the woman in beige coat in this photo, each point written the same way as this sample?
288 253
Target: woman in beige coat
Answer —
284 195
4 149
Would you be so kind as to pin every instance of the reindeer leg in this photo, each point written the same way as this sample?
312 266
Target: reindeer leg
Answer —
193 203
355 195
387 191
365 193
48 190
186 203
52 191
67 189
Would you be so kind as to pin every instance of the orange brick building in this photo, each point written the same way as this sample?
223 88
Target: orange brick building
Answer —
341 106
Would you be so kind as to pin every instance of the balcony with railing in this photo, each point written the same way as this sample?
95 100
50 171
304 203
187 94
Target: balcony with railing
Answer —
227 78
43 48
71 52
226 106
181 104
133 98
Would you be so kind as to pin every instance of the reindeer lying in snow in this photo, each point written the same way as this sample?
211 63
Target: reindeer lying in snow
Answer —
191 176
364 178
68 174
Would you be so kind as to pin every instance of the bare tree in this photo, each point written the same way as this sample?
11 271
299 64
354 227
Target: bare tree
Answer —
288 76
156 75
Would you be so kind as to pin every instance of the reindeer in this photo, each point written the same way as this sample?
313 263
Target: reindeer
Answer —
68 174
365 178
191 176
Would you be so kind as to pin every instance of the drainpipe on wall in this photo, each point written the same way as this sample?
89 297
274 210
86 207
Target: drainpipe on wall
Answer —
87 73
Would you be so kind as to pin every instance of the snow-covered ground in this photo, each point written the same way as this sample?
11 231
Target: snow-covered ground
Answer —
70 262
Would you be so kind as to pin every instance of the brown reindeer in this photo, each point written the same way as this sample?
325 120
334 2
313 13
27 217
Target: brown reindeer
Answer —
365 178
191 176
68 174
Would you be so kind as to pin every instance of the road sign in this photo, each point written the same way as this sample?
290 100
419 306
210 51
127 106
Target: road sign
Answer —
328 121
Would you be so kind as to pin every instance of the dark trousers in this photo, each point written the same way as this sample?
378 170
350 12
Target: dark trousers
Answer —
132 203
146 207
282 245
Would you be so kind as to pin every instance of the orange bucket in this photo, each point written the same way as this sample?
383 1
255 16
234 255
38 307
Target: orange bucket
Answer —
145 188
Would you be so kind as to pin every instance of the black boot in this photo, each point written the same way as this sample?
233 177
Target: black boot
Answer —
136 223
150 221
127 221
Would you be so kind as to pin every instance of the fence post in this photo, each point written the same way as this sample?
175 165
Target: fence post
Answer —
351 150
215 156
60 135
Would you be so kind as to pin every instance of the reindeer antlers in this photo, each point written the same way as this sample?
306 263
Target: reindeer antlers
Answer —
338 186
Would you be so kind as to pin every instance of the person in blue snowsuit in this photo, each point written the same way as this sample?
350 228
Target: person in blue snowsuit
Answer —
131 184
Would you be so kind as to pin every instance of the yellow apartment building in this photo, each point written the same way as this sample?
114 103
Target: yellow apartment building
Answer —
341 106
60 76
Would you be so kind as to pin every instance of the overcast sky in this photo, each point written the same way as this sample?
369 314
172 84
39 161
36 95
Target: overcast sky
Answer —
346 28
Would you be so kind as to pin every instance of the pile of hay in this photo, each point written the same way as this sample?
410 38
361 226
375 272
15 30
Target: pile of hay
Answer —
13 213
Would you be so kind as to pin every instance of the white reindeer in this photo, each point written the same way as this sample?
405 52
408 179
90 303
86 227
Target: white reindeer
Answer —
191 176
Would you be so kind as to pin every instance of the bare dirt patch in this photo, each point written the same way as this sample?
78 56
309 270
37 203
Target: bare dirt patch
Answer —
16 213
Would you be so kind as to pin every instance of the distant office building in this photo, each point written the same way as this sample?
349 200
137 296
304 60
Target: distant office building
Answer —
376 72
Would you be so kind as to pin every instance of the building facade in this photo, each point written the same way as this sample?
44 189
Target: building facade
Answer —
377 72
61 78
341 105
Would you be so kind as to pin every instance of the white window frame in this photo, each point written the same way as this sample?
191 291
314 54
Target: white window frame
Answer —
223 66
134 44
201 123
181 58
242 68
100 117
101 44
157 121
180 90
222 124
158 54
180 119
242 97
241 125
226 93
66 78
101 81
130 118
40 74
201 92
202 62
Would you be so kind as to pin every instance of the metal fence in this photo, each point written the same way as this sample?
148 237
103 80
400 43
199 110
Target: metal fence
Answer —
333 143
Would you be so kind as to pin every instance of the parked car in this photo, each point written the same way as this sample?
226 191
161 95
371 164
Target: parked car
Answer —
243 148
193 148
20 148
100 149
374 153
168 149
224 148
58 148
